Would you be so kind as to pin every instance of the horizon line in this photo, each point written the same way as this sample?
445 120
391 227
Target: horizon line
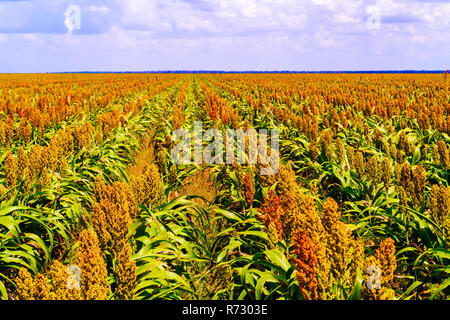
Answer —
404 71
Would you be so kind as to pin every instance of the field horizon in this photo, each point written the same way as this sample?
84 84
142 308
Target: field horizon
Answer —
412 71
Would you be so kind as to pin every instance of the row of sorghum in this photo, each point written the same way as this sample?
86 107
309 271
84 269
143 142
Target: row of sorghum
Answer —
219 108
82 135
335 257
249 189
379 271
440 207
113 215
107 122
23 130
178 116
306 219
114 212
410 182
443 154
270 215
148 187
60 283
40 161
345 252
305 262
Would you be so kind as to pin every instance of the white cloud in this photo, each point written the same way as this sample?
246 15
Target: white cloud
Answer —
328 4
324 38
343 18
98 9
231 34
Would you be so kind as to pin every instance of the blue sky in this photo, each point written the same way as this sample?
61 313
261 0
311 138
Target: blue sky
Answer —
136 35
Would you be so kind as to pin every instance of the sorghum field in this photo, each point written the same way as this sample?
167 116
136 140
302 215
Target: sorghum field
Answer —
92 205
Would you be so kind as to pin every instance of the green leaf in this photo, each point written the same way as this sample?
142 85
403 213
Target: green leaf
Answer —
259 289
414 285
3 293
440 288
356 292
278 258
